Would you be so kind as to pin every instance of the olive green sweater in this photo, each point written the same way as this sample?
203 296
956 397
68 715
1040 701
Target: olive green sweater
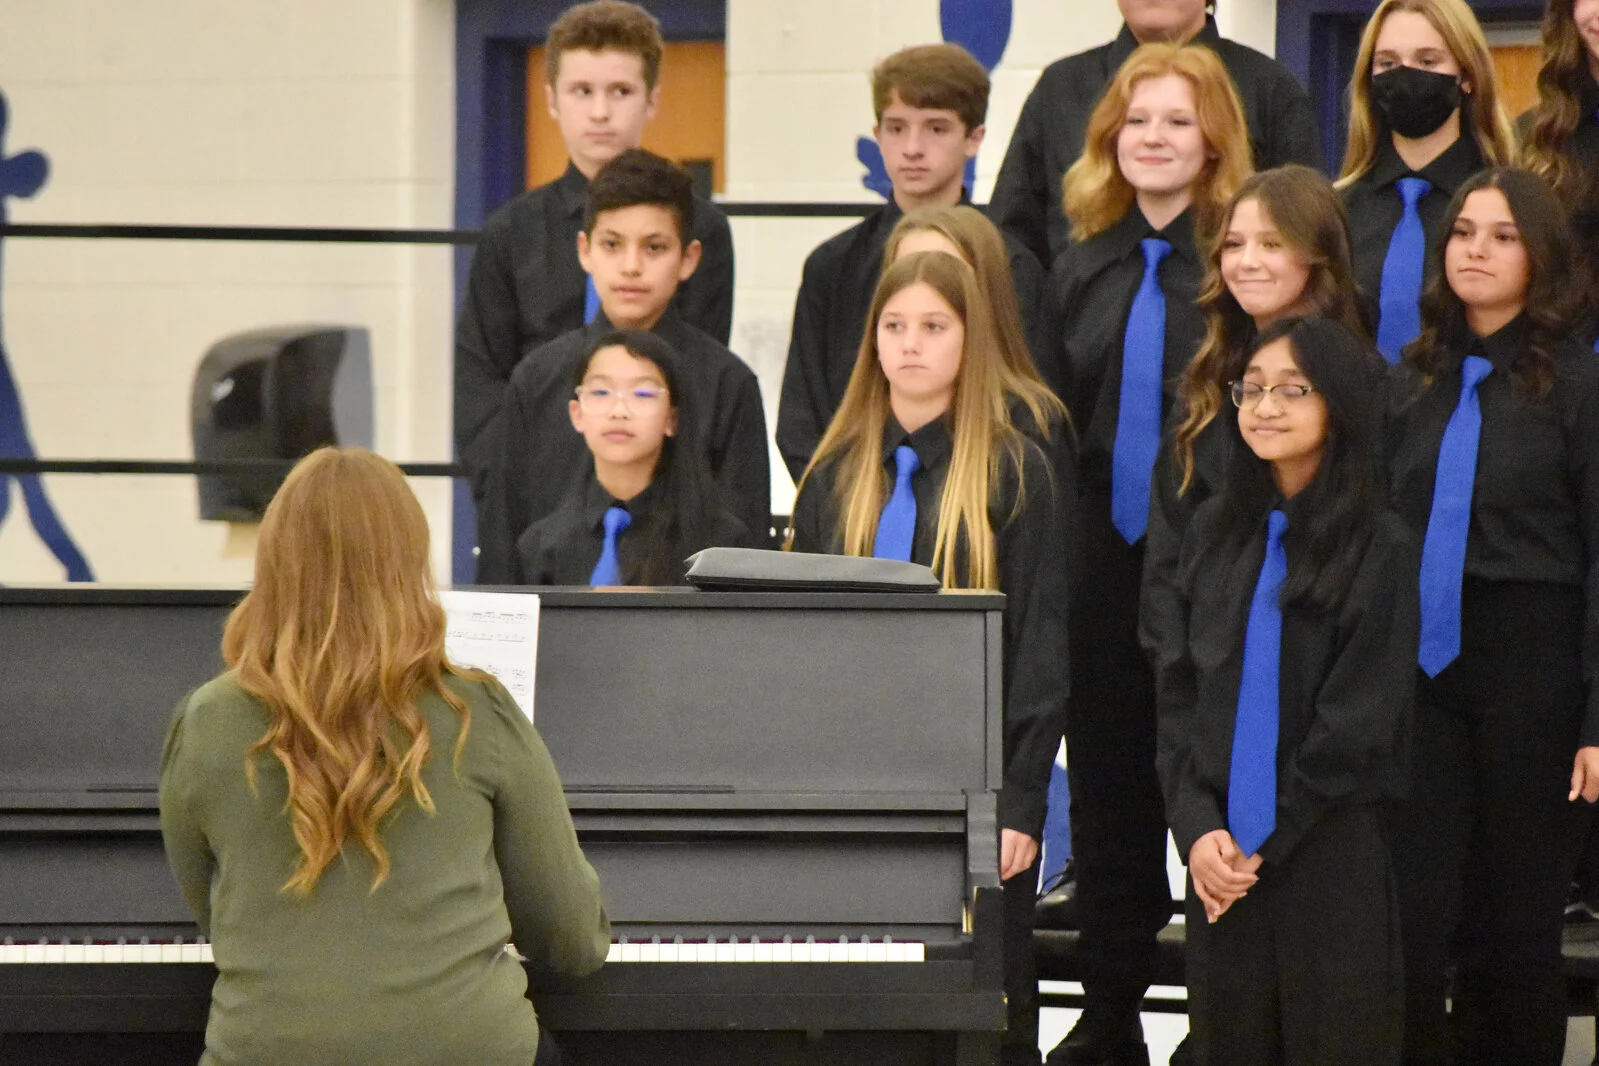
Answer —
416 971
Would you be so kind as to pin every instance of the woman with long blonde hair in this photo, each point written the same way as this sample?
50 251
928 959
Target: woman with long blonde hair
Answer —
360 826
1166 147
1424 115
924 463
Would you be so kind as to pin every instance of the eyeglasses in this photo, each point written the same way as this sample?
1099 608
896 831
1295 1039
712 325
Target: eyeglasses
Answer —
597 399
1249 394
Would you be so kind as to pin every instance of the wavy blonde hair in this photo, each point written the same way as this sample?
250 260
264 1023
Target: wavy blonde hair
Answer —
984 249
340 637
1463 36
1096 193
984 435
1547 151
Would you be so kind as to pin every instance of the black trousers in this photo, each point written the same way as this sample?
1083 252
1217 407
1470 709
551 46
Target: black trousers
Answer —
548 1054
1305 970
1019 1046
1118 816
1484 846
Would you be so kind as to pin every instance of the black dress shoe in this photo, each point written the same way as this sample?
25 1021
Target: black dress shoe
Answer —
1181 1055
1057 908
1090 1045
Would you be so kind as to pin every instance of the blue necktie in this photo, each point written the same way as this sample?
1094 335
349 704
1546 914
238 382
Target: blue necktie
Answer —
1399 304
1138 416
896 526
608 571
1252 780
591 300
1443 550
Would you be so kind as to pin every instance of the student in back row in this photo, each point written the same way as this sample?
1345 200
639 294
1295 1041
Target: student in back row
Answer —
527 287
930 102
635 244
650 502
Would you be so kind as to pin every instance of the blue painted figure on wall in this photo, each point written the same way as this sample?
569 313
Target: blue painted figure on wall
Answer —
22 175
982 27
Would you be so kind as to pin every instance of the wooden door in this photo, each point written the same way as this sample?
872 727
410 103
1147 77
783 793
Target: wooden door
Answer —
689 126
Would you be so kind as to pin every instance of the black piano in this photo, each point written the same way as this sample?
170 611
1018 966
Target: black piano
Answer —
754 776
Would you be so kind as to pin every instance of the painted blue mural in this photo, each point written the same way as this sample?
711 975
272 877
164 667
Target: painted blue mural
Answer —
23 175
982 27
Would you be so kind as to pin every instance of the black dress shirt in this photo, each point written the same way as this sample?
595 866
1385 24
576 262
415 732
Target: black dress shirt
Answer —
1346 684
526 288
563 547
543 457
1375 208
1049 134
1091 291
1032 574
835 296
1535 499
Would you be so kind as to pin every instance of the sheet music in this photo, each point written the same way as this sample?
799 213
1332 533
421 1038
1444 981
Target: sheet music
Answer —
497 632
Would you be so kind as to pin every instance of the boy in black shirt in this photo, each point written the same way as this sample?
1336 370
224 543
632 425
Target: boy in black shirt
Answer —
930 103
635 244
526 286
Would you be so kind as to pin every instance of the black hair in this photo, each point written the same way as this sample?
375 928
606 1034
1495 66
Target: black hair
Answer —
687 497
639 177
1554 299
1332 516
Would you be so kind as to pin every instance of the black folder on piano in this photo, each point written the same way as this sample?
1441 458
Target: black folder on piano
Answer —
743 768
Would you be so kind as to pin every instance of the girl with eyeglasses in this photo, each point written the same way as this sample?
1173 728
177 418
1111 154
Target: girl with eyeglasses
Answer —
1494 461
649 502
1284 701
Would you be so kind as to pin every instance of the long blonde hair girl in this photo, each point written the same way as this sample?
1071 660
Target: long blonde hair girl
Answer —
1096 193
339 638
1455 23
982 246
965 554
1547 150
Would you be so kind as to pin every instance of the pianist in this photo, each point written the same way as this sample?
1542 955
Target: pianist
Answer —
359 826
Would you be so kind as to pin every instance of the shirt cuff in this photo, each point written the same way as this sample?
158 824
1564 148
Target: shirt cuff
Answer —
1021 807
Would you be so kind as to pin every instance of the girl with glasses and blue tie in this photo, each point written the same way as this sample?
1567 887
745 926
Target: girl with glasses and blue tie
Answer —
650 501
1494 461
924 463
1424 115
1285 699
1166 147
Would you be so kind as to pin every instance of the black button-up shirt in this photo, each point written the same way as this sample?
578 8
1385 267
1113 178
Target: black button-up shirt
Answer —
835 296
1375 208
1091 291
1032 574
1535 498
1049 134
1346 684
526 288
542 457
563 547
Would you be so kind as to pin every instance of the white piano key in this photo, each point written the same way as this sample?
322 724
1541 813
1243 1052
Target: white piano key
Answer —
701 953
837 953
915 952
17 953
114 953
650 952
783 952
744 953
206 954
876 952
613 953
73 953
670 952
895 951
725 953
762 952
33 953
857 952
55 953
802 952
192 953
94 953
171 953
630 952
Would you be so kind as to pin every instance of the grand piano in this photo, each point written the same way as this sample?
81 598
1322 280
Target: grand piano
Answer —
757 778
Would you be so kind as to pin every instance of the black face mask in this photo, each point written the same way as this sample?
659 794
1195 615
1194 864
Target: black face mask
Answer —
1415 102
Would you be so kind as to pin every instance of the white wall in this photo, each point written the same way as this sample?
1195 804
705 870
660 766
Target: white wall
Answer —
271 112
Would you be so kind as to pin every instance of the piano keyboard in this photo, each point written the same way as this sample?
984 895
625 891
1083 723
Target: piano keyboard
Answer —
656 950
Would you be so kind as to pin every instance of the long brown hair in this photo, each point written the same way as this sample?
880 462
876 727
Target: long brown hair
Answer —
1310 217
1456 24
1096 193
1551 302
984 434
339 637
1547 151
984 250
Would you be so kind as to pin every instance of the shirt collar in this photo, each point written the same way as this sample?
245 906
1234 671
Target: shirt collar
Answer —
671 328
1124 238
573 190
932 443
1502 347
1446 173
596 501
1125 43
